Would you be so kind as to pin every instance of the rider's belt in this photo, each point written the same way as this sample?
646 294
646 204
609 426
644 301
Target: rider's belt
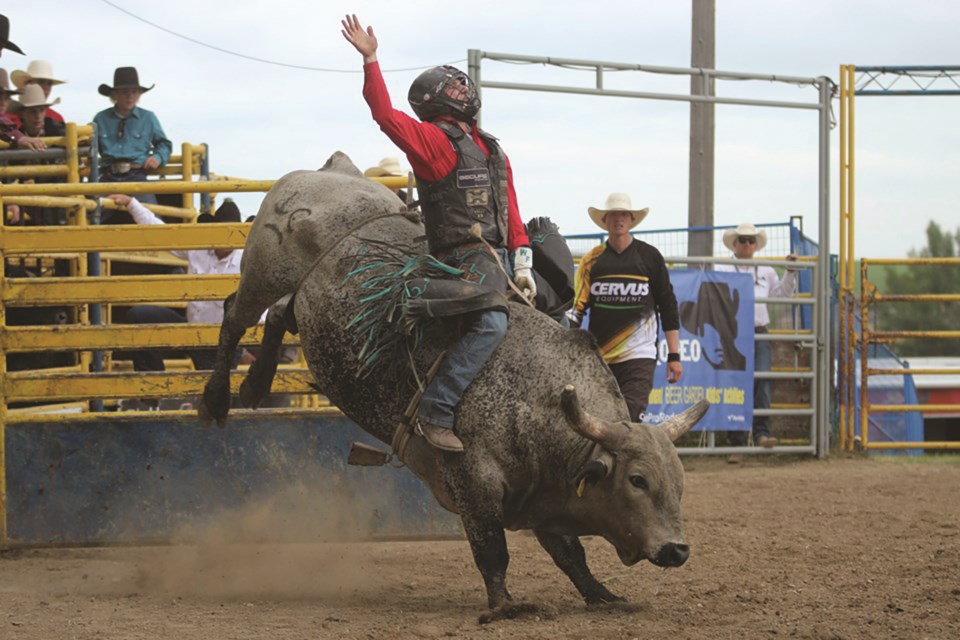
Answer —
122 167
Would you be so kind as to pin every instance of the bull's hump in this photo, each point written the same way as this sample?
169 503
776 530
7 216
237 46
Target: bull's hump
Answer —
340 162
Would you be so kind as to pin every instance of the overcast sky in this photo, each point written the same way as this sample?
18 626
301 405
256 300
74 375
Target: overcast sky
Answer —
568 152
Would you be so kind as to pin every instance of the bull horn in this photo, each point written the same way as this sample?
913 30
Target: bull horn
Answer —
609 436
680 424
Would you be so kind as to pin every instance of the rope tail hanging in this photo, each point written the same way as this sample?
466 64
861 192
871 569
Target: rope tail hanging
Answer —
389 277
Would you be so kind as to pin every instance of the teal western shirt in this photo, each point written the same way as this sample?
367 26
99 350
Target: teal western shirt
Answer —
142 137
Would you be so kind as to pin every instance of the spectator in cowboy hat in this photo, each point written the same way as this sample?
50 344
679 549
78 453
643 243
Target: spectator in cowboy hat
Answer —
389 167
35 117
5 37
626 286
5 93
12 210
744 241
8 128
40 73
35 122
200 262
132 142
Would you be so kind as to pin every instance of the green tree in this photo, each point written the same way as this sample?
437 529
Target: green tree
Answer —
924 279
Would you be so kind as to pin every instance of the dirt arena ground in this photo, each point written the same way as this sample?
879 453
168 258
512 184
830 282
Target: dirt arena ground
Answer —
845 548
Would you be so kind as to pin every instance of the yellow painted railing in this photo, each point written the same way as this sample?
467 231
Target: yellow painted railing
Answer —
868 336
74 387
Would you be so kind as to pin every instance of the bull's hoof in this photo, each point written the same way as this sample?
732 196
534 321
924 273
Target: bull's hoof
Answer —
206 417
602 596
203 413
509 611
619 606
215 403
250 396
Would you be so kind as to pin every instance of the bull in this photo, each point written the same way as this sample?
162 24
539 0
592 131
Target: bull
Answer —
549 446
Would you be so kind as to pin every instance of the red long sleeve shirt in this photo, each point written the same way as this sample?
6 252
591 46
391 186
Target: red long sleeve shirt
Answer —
427 147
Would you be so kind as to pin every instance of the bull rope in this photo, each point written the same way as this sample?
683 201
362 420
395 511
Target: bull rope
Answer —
404 430
409 215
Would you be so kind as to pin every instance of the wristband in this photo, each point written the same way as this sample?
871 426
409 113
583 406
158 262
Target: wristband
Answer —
673 357
523 258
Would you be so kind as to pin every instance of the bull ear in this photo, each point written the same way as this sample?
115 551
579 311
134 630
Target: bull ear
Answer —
680 424
595 471
608 435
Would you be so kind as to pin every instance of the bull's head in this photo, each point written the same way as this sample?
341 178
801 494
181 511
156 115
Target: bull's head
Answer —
636 481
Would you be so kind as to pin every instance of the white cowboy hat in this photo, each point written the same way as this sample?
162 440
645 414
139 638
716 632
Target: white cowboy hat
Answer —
617 202
32 96
744 229
386 167
36 70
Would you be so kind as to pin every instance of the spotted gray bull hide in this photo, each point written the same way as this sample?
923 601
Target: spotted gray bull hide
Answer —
548 443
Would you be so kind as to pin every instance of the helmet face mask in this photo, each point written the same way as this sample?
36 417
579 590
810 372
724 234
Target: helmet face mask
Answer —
444 91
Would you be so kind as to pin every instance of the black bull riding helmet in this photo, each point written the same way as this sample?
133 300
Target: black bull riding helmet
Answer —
429 99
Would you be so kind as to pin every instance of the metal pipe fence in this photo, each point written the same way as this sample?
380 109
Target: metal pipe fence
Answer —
782 331
822 105
870 377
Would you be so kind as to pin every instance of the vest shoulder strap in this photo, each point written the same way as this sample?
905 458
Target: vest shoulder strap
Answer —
452 130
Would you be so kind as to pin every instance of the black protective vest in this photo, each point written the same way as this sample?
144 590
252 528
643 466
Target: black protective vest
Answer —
474 192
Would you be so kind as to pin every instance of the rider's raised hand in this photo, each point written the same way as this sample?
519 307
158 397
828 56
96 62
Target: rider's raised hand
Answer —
363 40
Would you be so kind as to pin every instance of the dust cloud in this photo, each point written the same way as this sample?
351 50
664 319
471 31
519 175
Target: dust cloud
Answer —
293 544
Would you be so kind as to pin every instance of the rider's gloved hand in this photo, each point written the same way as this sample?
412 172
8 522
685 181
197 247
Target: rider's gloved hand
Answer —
522 260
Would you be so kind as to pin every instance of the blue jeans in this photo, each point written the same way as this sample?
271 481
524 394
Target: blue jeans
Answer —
483 331
762 392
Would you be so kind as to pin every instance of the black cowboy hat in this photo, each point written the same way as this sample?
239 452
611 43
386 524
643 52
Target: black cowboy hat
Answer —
5 36
227 212
124 78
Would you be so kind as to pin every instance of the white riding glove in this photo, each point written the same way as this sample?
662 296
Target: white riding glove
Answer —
575 319
523 272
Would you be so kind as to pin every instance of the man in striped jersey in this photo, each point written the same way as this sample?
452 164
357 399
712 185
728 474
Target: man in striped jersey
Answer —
625 284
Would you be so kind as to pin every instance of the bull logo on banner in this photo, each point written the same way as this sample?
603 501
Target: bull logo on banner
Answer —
716 348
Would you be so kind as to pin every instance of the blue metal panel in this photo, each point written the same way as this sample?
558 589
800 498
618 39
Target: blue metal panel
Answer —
801 245
145 481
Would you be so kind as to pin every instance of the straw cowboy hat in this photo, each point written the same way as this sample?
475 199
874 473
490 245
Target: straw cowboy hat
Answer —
124 78
617 202
32 96
5 84
5 36
386 167
744 229
36 70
